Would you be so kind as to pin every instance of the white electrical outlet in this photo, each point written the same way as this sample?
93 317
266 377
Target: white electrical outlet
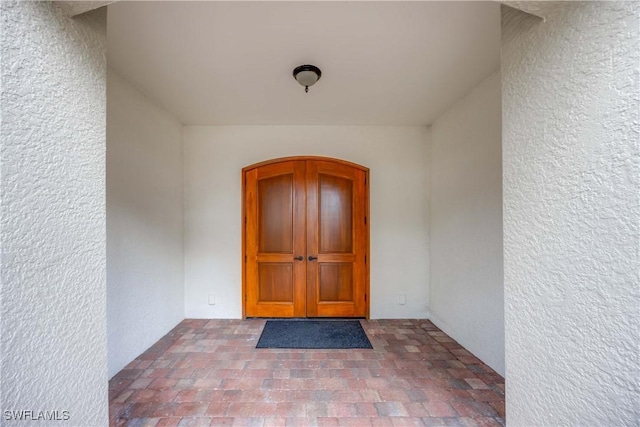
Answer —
212 299
402 299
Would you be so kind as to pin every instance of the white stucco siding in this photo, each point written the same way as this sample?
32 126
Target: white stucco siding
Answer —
571 214
53 325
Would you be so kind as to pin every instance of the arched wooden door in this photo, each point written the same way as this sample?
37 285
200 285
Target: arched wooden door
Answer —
306 238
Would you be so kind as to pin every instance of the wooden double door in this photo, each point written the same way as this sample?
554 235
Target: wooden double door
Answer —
305 239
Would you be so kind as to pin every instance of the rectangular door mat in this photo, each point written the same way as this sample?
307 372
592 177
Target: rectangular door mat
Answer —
313 334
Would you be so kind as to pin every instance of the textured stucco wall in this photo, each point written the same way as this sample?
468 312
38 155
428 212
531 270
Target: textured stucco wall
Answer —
571 214
145 291
397 158
53 329
465 230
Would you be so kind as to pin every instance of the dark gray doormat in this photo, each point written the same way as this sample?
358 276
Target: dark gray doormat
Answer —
314 334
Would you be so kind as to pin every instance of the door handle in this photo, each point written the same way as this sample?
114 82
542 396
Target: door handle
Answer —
299 258
312 258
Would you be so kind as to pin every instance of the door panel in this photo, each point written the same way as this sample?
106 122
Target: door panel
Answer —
336 236
275 214
275 224
275 282
335 203
336 281
306 239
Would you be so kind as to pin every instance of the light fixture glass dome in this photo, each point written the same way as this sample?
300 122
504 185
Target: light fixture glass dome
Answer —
307 75
307 78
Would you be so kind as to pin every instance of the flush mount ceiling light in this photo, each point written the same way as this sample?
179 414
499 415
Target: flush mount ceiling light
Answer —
307 75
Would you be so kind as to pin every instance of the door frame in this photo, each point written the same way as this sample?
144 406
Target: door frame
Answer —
243 220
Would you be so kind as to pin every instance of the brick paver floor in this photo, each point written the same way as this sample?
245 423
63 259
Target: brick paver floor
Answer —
209 373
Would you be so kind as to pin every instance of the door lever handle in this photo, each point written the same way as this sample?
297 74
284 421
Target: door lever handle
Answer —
299 258
312 258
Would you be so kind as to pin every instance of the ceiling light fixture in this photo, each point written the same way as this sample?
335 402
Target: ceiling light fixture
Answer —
307 75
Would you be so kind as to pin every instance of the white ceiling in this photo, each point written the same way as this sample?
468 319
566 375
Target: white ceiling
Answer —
230 63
